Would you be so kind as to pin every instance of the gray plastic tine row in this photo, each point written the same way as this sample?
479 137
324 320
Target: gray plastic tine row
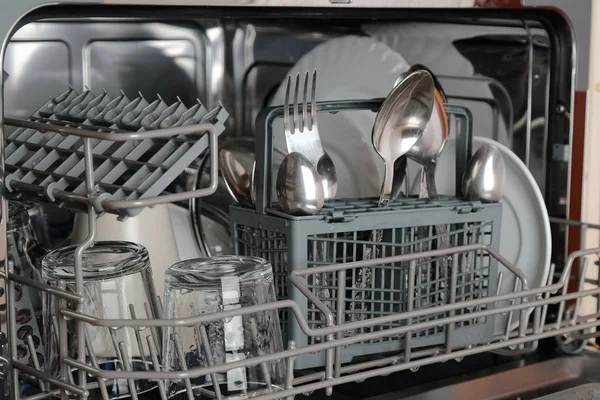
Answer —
96 114
128 170
79 111
133 120
198 108
174 110
62 110
46 110
115 116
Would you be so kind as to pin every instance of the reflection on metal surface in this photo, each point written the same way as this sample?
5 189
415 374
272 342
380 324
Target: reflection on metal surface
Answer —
183 59
166 67
524 382
38 70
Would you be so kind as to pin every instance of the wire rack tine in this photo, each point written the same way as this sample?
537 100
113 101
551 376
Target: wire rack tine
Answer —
127 365
94 361
516 288
452 300
499 284
159 307
138 338
263 366
341 308
63 344
183 365
34 359
156 365
561 307
547 294
155 331
580 287
15 387
289 376
115 342
209 358
409 306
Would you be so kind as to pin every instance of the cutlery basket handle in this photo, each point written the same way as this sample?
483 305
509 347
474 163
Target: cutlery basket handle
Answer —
264 141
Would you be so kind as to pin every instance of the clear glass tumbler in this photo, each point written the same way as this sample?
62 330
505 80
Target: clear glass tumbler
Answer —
118 284
210 285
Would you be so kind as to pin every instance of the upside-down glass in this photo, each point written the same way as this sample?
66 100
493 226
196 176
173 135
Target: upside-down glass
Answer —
209 285
118 284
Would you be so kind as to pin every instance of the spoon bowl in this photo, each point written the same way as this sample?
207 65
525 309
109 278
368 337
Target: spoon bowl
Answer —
328 176
299 187
485 176
236 163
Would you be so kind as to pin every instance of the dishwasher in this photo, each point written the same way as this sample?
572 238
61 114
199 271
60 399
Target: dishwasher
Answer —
235 199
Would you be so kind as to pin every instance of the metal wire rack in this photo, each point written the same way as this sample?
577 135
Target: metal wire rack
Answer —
527 305
520 339
44 162
94 202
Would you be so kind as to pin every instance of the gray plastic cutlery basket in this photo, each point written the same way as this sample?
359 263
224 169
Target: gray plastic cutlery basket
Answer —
344 232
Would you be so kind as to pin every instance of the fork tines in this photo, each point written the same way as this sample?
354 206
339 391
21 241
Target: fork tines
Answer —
297 125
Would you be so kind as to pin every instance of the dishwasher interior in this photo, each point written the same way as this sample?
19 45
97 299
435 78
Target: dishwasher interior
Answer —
510 73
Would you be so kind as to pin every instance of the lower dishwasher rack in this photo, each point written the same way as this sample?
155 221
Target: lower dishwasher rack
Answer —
527 305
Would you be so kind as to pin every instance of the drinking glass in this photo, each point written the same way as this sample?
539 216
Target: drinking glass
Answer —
210 285
118 284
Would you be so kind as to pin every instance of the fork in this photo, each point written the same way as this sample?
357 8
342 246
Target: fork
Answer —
302 135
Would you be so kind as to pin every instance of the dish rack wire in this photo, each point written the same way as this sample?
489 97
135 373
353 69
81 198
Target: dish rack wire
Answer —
516 304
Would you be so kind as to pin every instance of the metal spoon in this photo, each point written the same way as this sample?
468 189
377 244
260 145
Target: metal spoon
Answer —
485 177
400 123
326 171
237 163
299 187
427 149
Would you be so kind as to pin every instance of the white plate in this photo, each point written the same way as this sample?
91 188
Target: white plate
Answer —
525 237
350 67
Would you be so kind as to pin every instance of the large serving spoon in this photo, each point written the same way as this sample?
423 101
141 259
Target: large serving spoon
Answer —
400 123
429 147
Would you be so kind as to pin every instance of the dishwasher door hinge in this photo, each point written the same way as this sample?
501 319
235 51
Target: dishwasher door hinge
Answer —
561 152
